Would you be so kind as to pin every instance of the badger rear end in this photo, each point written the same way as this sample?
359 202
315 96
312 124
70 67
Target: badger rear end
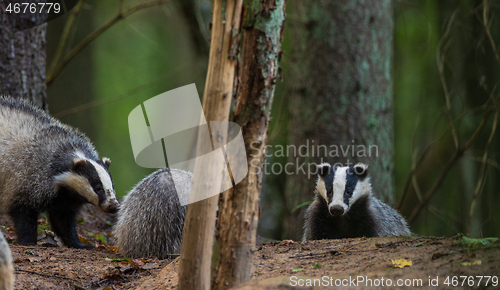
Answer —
48 166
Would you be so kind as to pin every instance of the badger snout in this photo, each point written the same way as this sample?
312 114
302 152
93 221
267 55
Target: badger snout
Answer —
110 205
336 210
111 208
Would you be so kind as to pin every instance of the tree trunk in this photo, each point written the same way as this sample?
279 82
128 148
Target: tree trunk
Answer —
199 226
341 95
22 57
239 207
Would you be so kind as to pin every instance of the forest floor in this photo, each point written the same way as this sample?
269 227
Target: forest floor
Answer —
357 262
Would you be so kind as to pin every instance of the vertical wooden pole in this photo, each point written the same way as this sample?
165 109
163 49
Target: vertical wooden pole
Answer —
199 227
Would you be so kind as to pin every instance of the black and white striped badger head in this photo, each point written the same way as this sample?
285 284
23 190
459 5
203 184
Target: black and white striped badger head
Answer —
91 180
341 187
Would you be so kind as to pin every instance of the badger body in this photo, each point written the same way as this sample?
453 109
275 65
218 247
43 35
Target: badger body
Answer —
46 166
6 267
344 207
151 218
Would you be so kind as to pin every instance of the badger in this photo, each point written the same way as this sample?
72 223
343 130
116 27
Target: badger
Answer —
344 207
46 166
6 268
151 218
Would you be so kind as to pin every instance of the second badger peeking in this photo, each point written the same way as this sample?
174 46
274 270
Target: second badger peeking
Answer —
344 207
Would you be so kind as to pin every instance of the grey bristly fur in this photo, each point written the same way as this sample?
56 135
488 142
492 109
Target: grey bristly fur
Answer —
362 214
6 266
151 219
48 166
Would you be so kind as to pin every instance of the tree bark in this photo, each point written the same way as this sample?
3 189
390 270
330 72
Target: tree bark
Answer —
341 95
22 57
199 226
239 208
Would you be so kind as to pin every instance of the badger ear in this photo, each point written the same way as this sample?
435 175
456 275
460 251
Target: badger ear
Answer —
79 163
324 169
361 170
106 161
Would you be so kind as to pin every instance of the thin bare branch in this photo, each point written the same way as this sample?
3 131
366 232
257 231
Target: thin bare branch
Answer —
97 103
456 156
87 40
408 183
418 192
487 25
488 161
442 216
440 59
65 33
482 172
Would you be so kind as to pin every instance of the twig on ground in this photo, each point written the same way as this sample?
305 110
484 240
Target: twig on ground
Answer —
46 275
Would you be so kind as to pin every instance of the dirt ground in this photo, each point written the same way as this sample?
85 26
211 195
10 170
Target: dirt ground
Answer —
361 262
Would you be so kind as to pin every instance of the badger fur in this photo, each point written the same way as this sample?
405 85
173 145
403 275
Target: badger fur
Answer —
6 268
151 218
344 207
48 166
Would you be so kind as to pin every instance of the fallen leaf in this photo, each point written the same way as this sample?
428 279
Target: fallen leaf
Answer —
419 244
437 255
315 265
476 262
126 270
84 240
150 266
47 239
297 270
401 263
115 249
117 260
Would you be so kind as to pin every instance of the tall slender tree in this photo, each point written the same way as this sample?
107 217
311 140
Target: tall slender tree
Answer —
341 95
22 56
262 31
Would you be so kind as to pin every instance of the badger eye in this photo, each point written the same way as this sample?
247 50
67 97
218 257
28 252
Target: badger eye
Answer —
98 187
